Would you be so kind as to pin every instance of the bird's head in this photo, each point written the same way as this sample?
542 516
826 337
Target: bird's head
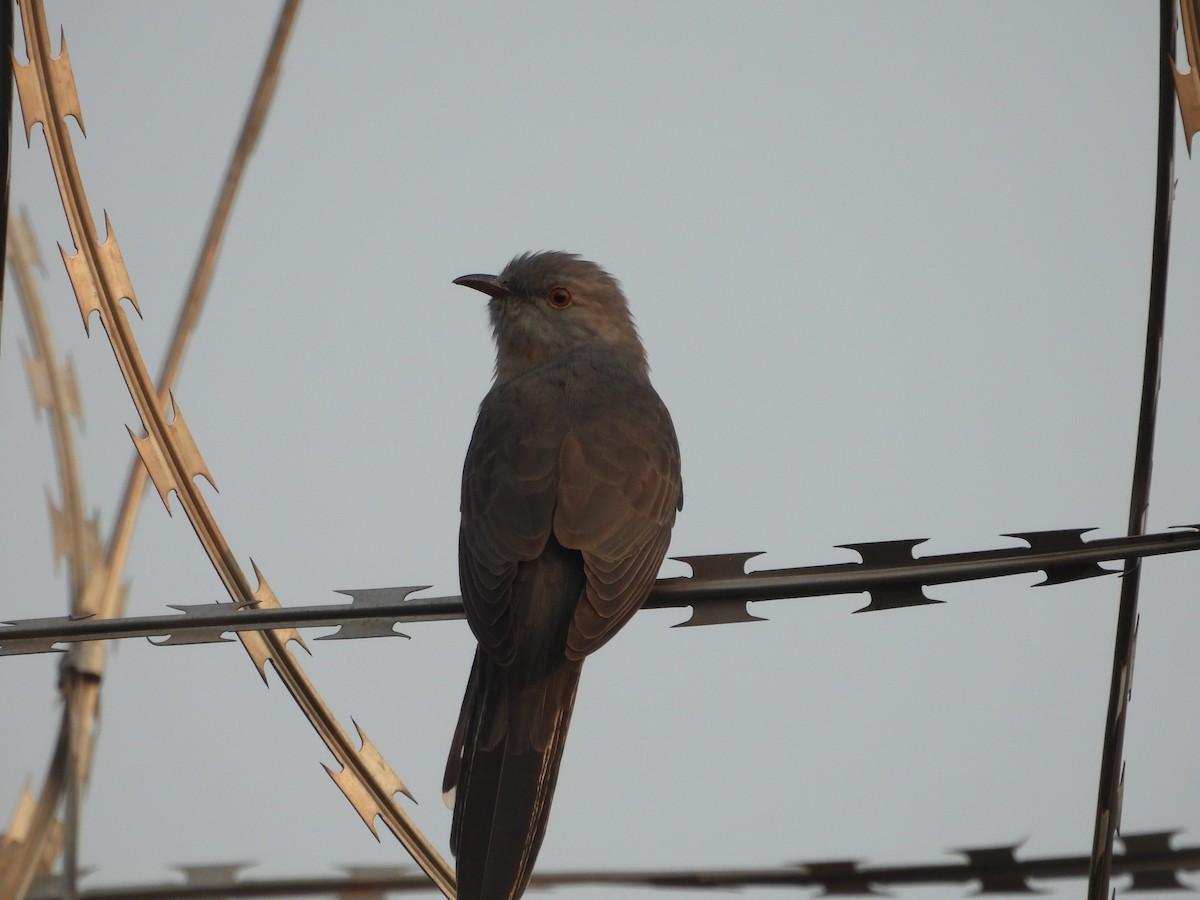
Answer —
547 304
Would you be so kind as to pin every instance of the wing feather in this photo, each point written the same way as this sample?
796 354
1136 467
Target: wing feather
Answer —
582 449
618 493
508 497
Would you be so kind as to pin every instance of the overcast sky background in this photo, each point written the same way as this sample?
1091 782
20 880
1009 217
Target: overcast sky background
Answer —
890 264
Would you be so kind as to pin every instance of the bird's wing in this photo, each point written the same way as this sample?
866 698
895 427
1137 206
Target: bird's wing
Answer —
508 496
618 492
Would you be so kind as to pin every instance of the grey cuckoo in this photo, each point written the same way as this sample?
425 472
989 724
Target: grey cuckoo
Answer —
569 492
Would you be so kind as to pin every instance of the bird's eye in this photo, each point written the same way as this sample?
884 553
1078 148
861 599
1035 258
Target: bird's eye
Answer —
559 297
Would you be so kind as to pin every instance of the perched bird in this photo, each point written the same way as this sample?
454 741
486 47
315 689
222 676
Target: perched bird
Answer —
569 492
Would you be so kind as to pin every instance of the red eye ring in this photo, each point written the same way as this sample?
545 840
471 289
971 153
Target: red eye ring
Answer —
559 297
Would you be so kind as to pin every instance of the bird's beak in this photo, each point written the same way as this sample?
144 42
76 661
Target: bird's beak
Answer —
489 284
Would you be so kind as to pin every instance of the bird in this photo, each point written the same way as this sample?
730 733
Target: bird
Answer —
570 489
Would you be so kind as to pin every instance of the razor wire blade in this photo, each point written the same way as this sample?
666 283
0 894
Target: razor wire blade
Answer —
718 591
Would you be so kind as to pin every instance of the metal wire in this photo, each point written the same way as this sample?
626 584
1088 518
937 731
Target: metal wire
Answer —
718 591
1108 802
1148 858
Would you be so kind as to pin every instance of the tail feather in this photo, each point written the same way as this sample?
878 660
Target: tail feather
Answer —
508 749
457 744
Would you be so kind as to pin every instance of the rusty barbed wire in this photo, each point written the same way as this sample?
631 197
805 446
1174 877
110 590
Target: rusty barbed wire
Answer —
21 840
53 387
1149 859
54 391
1187 84
46 87
717 591
17 837
83 670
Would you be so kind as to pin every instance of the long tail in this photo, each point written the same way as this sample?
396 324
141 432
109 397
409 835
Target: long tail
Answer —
502 771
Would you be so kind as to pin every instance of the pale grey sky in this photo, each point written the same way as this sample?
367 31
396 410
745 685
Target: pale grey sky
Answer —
890 264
